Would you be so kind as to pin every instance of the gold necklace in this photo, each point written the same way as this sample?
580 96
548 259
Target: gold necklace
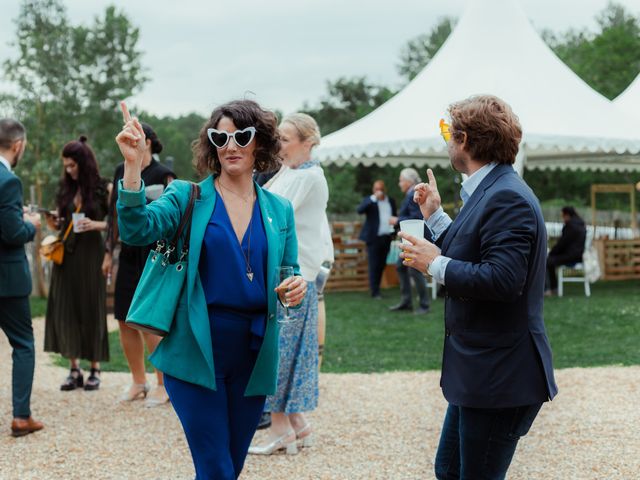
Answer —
247 257
244 198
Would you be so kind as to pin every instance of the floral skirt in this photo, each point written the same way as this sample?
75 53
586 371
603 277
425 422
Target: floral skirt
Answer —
298 369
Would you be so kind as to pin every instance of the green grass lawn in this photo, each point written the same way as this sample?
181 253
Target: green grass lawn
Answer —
363 336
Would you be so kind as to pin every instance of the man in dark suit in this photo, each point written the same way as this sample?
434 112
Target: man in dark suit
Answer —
376 232
496 366
16 228
569 248
409 210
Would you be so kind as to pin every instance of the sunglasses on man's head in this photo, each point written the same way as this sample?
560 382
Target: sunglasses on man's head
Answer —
445 130
220 138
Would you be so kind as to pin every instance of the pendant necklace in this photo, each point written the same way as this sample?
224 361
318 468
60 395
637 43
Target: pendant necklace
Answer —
247 256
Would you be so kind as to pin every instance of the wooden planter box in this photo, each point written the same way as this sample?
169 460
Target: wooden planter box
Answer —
619 259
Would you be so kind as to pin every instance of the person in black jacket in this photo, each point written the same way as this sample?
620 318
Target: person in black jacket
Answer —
569 248
130 267
409 178
376 232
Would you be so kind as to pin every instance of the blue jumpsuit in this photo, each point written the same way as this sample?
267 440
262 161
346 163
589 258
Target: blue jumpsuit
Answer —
219 424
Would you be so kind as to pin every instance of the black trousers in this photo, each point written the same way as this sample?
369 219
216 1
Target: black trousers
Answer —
15 321
553 262
405 274
377 252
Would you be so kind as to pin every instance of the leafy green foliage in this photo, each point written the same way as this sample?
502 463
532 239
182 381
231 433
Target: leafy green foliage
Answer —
609 59
574 188
419 51
177 135
347 100
70 79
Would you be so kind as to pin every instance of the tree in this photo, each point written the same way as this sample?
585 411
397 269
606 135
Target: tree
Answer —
608 60
419 51
176 136
70 79
348 99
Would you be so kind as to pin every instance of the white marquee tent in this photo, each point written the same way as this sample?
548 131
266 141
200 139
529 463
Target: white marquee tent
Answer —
494 49
629 100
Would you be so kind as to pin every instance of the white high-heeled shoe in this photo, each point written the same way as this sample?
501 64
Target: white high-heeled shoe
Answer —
280 443
135 392
158 396
307 440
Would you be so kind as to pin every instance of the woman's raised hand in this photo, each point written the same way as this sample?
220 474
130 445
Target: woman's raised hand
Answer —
131 139
426 195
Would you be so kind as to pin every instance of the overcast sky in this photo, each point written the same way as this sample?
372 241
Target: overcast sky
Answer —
200 53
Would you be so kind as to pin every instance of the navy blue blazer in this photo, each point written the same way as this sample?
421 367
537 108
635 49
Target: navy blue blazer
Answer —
369 230
410 210
15 277
496 352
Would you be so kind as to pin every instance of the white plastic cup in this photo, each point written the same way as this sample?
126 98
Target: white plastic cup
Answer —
412 227
76 217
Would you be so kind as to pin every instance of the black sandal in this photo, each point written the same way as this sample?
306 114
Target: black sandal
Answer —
73 381
93 381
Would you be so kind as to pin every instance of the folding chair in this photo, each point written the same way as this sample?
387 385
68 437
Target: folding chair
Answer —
573 273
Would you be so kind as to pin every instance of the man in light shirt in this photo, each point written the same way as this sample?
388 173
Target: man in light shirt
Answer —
376 232
496 365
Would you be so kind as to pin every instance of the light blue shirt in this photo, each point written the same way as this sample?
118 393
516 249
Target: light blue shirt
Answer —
440 221
6 163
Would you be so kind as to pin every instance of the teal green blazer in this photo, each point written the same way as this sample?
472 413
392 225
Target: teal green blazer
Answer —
186 352
15 277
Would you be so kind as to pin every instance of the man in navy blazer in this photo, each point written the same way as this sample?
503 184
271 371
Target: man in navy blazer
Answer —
376 232
496 366
16 229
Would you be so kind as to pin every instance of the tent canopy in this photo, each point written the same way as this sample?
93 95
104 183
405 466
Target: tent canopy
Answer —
629 100
494 49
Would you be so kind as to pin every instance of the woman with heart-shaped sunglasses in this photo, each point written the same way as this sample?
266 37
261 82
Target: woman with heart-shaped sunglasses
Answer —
220 357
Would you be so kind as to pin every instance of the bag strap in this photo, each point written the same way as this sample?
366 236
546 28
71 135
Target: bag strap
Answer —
185 221
70 226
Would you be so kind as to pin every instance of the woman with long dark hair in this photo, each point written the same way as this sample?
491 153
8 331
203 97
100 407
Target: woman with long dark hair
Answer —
76 319
131 263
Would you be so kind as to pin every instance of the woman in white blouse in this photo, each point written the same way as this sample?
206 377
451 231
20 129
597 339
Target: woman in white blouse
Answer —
301 181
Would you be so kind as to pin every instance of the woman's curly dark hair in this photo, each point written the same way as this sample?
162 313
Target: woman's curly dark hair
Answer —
243 113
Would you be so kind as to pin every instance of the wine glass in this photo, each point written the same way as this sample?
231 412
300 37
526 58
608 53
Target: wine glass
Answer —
284 272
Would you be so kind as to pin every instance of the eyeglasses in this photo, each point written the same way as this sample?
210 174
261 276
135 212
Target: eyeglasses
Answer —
220 138
445 130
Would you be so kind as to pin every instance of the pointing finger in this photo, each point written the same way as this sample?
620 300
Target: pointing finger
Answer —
138 127
126 116
432 178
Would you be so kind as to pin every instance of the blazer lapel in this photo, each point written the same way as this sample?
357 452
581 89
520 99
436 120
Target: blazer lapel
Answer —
202 211
468 207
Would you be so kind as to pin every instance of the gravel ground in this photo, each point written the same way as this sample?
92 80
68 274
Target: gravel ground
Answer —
378 426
